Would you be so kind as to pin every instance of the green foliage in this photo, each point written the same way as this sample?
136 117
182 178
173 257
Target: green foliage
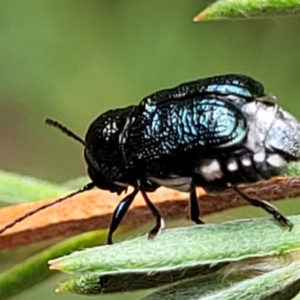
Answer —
262 258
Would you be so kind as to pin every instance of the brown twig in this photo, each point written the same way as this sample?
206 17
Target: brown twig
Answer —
93 210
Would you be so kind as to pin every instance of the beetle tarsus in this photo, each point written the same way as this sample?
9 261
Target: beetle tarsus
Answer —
280 218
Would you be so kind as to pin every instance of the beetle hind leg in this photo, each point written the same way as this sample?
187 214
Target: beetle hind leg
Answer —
280 218
194 208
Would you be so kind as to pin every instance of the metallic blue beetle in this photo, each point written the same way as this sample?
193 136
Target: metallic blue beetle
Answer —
215 133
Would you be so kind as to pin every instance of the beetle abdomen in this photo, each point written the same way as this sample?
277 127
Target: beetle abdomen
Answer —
272 140
212 139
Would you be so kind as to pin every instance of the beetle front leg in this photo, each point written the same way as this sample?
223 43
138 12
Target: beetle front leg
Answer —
119 213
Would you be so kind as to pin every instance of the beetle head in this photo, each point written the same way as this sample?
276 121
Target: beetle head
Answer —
104 158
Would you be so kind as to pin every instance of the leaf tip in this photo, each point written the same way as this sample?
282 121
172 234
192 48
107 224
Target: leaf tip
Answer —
202 16
60 289
54 264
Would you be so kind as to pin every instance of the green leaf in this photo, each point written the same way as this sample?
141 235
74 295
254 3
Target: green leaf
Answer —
195 288
186 247
18 188
278 284
246 9
93 283
244 248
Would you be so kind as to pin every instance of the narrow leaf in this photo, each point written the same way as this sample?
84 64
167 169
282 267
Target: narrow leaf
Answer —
18 188
247 9
281 284
186 247
278 284
95 284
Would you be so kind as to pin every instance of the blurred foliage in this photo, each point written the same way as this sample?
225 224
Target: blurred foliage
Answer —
72 60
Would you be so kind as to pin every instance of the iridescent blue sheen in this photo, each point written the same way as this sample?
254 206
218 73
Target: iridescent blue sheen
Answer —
239 85
191 125
228 89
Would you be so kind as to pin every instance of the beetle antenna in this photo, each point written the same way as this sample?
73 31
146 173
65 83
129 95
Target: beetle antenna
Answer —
64 129
87 187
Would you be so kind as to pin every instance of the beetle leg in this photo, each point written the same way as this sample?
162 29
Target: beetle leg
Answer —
281 219
194 208
159 220
119 213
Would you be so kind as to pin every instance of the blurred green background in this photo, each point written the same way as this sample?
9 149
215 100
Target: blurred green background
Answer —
73 59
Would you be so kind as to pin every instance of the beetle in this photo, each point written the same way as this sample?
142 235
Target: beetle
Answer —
216 133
